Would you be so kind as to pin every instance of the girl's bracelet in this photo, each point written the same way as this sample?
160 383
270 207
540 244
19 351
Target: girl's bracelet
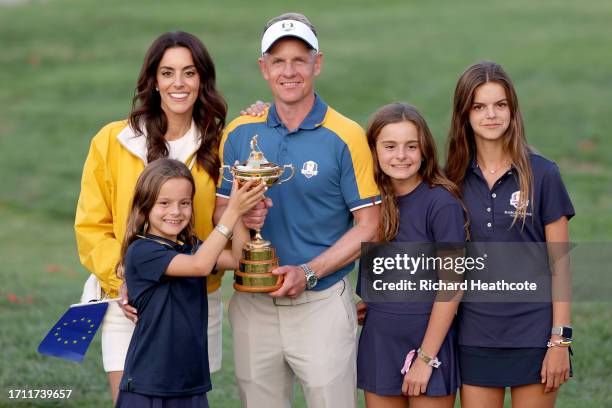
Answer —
559 343
430 361
227 233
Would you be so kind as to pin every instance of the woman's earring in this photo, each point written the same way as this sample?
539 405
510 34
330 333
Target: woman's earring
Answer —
157 89
145 227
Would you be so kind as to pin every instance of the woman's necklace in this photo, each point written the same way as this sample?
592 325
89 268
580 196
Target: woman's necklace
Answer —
501 165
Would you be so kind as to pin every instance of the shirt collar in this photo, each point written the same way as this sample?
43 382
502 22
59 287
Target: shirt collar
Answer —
313 120
163 241
137 143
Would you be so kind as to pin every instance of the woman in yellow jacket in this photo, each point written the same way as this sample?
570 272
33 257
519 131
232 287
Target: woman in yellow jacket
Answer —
177 113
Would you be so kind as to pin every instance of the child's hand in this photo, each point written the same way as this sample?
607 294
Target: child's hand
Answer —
246 197
416 379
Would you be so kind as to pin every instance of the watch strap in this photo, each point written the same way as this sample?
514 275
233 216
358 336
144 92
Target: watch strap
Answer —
311 278
563 331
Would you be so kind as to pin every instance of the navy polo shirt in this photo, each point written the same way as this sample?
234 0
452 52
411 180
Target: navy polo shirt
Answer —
333 177
427 214
491 212
168 354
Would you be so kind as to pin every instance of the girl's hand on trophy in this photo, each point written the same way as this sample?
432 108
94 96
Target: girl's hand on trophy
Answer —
293 284
255 217
246 197
256 109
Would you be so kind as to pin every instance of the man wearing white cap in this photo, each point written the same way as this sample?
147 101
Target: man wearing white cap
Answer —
308 327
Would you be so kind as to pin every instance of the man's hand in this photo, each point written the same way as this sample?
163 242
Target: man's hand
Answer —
256 109
362 308
129 311
294 283
255 217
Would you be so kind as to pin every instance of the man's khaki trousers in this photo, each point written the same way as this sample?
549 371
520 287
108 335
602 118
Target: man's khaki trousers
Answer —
312 337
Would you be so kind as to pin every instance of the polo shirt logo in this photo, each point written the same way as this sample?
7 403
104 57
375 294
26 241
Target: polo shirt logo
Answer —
310 169
515 200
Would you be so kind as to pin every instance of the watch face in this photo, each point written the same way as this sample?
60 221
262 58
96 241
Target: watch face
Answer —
565 332
311 280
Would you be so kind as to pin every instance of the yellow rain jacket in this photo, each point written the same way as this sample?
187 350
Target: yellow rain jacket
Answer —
115 160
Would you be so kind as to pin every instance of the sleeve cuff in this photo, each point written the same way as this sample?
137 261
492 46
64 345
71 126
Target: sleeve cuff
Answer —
552 218
223 192
364 202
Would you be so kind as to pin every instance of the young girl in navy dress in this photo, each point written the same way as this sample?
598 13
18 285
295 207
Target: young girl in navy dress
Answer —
165 268
418 205
511 195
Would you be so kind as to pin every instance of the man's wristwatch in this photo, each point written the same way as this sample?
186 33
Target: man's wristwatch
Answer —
311 278
563 331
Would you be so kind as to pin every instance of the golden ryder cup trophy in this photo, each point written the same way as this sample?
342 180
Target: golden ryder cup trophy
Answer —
258 255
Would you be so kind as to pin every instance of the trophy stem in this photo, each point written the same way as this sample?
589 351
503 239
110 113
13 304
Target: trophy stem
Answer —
257 242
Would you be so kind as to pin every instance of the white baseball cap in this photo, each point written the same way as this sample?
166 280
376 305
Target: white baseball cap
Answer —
288 28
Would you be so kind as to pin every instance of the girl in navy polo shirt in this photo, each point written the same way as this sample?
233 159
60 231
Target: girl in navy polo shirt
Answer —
419 204
512 195
165 268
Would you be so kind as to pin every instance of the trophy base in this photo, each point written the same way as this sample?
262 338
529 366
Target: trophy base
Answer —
255 267
257 282
258 254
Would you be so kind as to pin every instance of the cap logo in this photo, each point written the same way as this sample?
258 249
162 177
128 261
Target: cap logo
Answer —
287 26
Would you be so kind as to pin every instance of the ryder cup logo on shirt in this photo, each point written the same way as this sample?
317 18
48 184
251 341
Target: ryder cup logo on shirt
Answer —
515 200
310 169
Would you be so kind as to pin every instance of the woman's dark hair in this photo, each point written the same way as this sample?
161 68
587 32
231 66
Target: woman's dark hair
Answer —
209 111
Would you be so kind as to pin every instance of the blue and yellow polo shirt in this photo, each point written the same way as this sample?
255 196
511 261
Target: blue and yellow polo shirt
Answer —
333 177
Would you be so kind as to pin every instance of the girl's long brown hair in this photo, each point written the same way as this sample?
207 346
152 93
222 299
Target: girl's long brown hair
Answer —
430 170
461 146
148 186
209 111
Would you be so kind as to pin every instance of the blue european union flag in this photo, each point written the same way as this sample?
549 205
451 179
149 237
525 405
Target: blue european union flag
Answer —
71 335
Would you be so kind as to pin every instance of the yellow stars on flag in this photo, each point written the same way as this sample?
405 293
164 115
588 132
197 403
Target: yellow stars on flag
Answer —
72 334
67 325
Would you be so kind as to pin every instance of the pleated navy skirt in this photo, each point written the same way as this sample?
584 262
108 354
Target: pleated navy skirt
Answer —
134 400
386 339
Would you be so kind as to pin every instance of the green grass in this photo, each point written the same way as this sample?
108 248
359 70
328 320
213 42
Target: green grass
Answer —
69 67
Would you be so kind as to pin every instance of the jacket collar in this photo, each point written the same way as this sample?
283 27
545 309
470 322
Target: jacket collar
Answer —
137 144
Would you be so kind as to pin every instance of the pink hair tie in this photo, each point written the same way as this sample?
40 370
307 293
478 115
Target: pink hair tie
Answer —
408 361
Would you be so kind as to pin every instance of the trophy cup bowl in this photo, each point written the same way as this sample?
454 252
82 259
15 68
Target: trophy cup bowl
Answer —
258 255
